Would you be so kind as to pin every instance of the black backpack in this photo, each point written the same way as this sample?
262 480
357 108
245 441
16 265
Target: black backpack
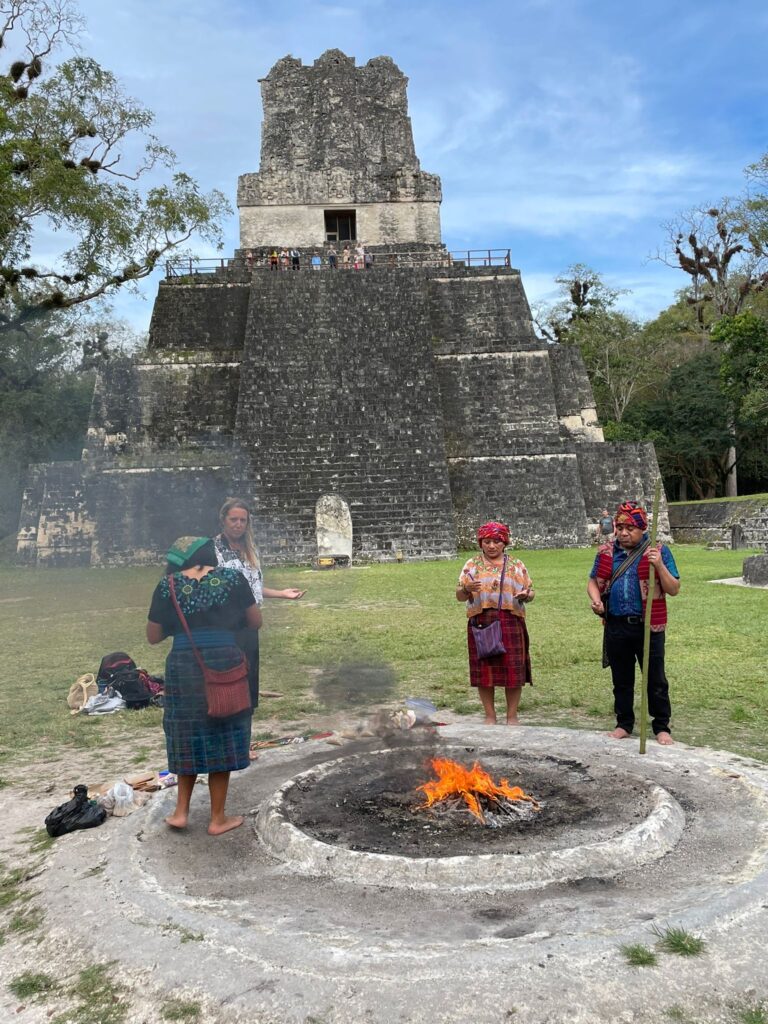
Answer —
119 671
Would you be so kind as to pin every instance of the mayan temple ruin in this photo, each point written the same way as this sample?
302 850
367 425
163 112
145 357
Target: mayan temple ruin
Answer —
401 403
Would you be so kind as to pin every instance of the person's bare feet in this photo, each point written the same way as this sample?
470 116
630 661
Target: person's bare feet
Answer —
619 734
664 739
226 825
490 721
513 720
177 820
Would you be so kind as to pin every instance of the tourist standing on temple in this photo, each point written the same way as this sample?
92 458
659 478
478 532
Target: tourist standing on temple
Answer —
273 260
295 259
618 590
215 602
496 588
284 258
331 257
235 548
359 256
345 256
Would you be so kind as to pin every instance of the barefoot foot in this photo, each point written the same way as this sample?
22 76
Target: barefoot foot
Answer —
619 734
489 721
225 825
176 820
664 739
513 720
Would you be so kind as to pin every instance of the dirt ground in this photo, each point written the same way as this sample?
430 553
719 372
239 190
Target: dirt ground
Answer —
34 789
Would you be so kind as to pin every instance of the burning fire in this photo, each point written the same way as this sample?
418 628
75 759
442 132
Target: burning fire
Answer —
471 785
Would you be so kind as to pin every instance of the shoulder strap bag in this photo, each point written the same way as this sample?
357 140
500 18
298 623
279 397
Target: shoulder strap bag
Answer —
626 564
488 641
226 691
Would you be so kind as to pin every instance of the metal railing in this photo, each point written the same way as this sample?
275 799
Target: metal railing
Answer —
193 266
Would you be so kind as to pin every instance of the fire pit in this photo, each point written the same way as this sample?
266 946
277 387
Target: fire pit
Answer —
381 819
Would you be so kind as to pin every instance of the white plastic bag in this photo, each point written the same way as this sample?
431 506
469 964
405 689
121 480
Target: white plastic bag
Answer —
122 794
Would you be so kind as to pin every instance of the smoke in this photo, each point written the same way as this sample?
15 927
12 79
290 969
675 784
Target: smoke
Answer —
355 685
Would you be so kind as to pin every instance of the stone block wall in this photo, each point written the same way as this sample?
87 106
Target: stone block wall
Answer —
539 496
573 395
152 405
303 227
335 135
203 314
498 403
613 473
138 512
56 528
480 310
740 523
351 408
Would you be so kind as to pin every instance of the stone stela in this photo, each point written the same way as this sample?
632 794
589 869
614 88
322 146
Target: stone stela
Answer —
381 412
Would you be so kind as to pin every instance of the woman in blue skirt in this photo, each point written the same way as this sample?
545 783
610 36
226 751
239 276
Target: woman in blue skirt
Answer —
216 601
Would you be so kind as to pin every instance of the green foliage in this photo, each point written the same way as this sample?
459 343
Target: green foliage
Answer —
679 941
181 1009
744 366
66 133
639 956
754 1014
99 999
29 984
25 921
688 420
44 406
583 296
619 357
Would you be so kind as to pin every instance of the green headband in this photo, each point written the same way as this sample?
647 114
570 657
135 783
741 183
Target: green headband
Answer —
183 548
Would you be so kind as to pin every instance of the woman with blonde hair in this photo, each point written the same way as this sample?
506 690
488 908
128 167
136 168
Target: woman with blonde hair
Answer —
235 548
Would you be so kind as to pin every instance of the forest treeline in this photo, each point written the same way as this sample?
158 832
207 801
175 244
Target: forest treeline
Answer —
694 380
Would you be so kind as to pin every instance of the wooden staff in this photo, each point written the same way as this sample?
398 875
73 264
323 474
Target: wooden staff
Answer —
647 623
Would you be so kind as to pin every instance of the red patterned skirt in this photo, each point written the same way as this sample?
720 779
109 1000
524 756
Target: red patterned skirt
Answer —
511 669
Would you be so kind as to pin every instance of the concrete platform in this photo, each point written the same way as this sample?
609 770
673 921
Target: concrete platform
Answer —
272 945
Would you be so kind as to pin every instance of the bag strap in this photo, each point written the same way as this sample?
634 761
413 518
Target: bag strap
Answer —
501 584
636 555
185 624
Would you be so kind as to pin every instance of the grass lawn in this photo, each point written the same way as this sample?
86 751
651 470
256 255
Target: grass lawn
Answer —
57 624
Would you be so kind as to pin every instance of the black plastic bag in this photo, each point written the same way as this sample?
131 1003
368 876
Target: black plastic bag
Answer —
77 813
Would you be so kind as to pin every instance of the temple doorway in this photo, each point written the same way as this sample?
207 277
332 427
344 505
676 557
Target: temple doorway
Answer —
340 226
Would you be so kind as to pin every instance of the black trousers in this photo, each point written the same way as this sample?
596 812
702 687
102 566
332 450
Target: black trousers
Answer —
248 642
624 647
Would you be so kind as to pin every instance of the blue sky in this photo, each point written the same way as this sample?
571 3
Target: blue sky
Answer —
567 130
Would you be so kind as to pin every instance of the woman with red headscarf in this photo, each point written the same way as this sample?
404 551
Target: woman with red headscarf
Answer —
479 584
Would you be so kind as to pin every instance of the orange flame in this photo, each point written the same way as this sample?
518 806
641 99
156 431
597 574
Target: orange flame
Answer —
453 779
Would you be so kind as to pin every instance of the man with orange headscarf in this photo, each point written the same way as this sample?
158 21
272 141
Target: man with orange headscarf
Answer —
618 590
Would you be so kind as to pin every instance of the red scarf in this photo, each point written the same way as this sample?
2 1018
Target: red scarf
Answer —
659 602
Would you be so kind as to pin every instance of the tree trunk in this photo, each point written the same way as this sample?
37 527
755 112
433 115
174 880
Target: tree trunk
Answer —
731 482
